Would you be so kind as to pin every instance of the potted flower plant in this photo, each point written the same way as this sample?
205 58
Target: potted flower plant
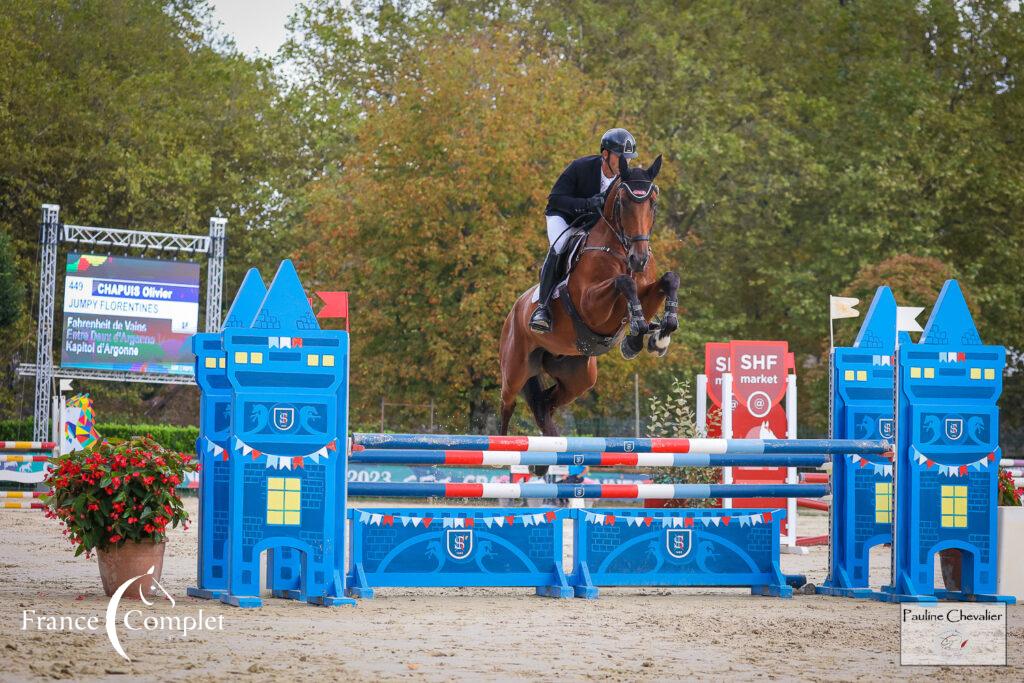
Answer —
118 497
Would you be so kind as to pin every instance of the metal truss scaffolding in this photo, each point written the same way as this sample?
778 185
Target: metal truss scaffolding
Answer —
51 234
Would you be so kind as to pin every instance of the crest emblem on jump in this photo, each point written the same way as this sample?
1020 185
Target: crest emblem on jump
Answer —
678 542
577 491
885 427
577 459
459 543
628 446
954 428
284 418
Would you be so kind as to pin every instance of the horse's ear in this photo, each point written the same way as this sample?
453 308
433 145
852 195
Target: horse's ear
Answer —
652 172
623 167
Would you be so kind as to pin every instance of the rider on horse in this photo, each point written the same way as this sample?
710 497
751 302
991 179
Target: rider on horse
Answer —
574 205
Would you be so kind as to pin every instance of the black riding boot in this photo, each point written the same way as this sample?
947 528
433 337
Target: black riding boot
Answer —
541 319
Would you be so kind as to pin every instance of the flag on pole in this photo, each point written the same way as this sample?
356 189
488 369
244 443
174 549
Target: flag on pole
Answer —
906 318
840 307
843 307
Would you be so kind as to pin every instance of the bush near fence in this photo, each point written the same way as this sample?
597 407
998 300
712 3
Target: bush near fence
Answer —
176 438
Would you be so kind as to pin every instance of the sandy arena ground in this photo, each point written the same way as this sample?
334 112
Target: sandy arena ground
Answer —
456 634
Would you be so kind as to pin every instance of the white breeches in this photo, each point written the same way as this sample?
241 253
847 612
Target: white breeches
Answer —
559 233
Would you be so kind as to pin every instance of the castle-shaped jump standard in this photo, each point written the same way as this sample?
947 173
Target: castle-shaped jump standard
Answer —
273 424
862 408
947 466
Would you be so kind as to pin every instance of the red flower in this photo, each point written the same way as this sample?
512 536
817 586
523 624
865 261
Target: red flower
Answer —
115 538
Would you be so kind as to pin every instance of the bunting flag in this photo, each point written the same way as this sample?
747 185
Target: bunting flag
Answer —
286 462
489 521
927 463
284 342
860 461
210 448
684 520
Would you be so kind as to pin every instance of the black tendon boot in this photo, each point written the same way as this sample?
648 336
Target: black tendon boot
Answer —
541 319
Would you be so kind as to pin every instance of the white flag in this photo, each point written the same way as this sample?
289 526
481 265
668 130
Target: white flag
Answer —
906 318
843 307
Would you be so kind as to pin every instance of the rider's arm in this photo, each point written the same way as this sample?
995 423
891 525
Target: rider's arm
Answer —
563 197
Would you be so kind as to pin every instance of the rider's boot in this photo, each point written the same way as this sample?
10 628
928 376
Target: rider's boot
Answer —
541 319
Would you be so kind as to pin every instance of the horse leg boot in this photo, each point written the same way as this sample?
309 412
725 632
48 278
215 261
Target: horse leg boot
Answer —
668 287
638 326
540 321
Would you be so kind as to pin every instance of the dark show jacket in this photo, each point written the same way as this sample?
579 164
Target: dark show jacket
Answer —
580 180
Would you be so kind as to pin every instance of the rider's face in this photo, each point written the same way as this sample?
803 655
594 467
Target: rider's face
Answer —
611 161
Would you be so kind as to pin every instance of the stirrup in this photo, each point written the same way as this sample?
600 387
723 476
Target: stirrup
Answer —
540 321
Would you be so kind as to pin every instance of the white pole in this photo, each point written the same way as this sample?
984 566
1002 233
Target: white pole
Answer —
791 474
636 403
701 430
727 428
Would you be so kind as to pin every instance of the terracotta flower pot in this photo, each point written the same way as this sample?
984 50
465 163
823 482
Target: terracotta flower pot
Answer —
121 563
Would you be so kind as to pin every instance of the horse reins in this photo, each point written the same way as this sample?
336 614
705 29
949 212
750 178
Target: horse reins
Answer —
638 197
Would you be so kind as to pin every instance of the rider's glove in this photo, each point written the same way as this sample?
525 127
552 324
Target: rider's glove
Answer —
595 203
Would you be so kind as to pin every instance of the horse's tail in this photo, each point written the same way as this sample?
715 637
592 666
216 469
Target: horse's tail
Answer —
536 397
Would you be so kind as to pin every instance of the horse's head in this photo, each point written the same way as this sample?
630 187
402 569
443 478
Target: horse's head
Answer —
630 210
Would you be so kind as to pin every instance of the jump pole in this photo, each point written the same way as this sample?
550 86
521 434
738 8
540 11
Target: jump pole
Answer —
790 544
513 458
619 491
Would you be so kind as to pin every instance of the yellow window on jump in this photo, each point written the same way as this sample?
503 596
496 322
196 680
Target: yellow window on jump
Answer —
954 507
284 500
883 502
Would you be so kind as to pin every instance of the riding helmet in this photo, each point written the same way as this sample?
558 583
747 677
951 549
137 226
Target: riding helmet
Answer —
620 141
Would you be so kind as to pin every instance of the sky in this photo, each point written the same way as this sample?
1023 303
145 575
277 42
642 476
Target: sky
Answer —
258 26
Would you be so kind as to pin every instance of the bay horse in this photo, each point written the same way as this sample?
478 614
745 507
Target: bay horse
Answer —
612 294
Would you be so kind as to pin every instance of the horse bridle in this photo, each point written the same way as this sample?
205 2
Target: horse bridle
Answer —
637 196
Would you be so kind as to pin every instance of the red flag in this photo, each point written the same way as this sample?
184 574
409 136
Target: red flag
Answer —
767 516
991 457
549 515
389 520
510 519
255 454
648 520
963 469
688 521
427 521
335 306
296 342
333 445
470 522
298 462
725 520
609 519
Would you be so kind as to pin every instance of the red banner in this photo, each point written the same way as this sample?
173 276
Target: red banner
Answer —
759 373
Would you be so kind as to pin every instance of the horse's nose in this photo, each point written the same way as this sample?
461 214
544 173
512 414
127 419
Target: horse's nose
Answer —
638 262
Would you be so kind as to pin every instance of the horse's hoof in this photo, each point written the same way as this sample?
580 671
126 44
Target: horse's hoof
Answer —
658 345
631 347
638 328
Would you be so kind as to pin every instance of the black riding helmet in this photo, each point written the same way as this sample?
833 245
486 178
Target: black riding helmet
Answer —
620 141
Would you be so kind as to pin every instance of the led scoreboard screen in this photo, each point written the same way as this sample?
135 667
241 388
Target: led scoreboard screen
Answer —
129 314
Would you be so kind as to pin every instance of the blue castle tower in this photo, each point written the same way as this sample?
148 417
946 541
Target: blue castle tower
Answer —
946 473
862 408
214 426
286 450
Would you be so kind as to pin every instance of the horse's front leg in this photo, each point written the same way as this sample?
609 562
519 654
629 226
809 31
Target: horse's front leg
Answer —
633 343
626 286
665 289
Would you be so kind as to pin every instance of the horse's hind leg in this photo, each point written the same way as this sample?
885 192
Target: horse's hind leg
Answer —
574 376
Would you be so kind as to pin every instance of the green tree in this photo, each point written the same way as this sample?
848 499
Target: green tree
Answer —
436 223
